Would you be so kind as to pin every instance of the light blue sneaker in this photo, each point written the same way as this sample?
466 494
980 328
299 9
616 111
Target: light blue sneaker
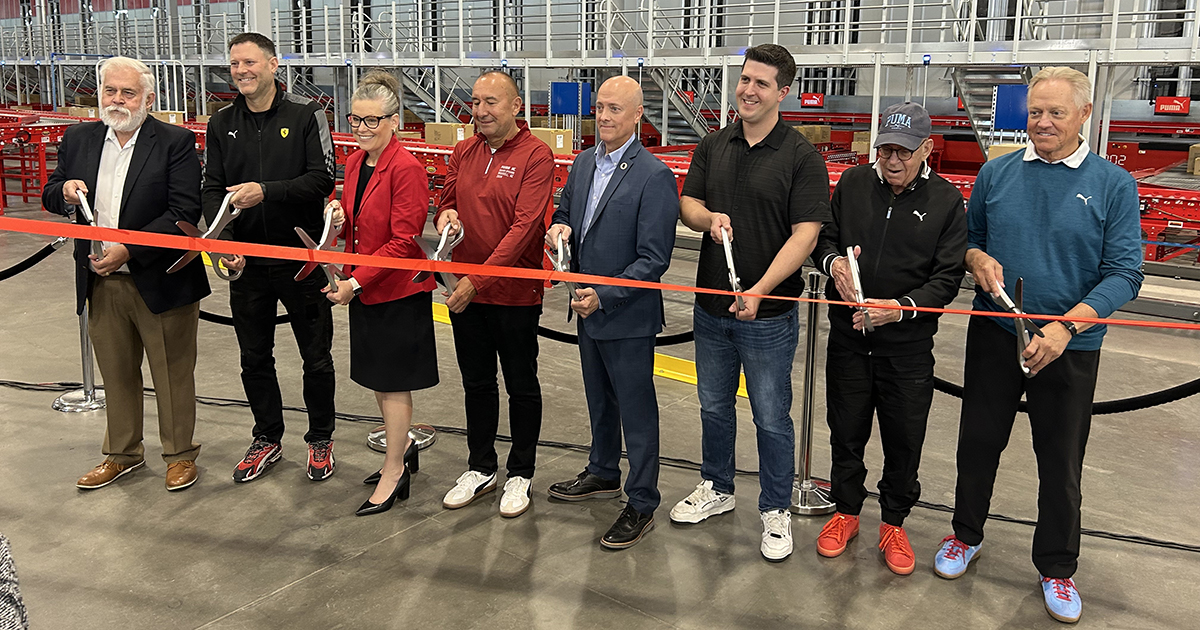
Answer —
954 556
1062 600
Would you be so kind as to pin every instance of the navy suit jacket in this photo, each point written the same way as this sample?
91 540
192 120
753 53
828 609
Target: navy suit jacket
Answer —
162 186
631 236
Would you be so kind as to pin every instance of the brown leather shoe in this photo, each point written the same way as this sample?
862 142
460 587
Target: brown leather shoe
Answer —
106 473
181 474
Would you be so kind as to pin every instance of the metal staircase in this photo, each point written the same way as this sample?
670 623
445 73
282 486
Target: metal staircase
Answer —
419 97
684 123
976 86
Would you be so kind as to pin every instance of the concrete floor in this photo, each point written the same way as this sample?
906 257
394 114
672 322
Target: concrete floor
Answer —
285 552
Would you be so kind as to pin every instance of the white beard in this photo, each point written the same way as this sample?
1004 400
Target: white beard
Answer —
122 119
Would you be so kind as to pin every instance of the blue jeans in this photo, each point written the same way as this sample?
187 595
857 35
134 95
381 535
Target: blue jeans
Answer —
765 349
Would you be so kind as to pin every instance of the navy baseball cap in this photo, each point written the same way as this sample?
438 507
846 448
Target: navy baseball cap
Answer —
904 124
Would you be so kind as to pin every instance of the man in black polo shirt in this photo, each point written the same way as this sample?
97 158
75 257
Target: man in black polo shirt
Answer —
762 180
908 229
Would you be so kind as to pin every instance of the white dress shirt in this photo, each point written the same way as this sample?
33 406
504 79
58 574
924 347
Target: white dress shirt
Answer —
110 182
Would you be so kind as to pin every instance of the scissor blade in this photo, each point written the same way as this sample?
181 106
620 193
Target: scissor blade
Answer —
305 270
306 239
183 261
189 230
422 276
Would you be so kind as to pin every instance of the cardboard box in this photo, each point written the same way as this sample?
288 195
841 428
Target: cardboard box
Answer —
203 119
815 134
87 101
411 118
174 118
862 136
996 150
1195 166
213 107
409 135
861 148
561 141
588 127
86 112
1193 153
447 134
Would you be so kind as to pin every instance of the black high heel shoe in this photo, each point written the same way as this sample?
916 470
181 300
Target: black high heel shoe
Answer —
411 462
402 489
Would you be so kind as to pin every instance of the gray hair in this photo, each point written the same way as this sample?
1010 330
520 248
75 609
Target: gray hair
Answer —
127 63
1081 86
379 86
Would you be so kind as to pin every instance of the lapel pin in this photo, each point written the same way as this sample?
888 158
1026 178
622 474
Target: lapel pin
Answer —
624 165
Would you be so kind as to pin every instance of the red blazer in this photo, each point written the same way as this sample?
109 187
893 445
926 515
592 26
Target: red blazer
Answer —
394 207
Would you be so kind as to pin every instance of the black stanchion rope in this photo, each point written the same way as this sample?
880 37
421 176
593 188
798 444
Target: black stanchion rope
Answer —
37 257
674 462
1121 405
665 340
225 320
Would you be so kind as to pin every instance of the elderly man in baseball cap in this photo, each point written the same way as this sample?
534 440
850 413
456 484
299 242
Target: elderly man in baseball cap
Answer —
907 229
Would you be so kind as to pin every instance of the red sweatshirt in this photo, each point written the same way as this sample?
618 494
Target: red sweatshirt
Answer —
501 199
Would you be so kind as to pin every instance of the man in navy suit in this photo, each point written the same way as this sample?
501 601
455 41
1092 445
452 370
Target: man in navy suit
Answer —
138 174
618 211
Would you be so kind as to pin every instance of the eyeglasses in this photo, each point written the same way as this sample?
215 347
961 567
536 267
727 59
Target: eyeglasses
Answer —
886 153
370 121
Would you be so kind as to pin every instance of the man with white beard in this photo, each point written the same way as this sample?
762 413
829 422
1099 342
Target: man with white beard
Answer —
137 174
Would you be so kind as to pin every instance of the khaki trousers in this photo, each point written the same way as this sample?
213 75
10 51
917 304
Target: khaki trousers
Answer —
123 330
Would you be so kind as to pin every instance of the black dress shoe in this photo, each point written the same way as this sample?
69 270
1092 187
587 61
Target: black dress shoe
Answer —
630 527
411 462
401 491
586 486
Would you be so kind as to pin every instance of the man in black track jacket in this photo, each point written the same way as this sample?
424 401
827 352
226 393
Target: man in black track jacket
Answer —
908 229
273 149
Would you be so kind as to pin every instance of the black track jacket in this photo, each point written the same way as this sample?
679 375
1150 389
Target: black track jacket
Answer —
292 156
912 251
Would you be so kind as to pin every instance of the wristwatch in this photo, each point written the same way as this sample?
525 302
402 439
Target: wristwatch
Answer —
358 291
1070 326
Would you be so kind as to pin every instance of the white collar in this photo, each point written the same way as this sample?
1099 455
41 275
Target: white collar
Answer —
112 135
925 171
1074 160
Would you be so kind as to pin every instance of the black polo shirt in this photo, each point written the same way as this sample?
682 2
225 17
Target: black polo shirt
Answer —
765 190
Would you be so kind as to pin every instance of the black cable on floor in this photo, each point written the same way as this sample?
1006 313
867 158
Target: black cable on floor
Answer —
674 462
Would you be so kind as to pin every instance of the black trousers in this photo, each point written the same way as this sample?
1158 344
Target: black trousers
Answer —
253 298
483 332
898 389
1060 416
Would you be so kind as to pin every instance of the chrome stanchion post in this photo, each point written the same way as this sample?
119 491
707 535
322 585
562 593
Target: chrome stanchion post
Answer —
808 498
423 435
88 398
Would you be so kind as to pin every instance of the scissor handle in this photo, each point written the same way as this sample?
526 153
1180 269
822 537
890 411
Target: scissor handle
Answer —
225 274
224 217
85 208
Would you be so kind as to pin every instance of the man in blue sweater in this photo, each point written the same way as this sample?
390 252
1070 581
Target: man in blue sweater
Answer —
1066 221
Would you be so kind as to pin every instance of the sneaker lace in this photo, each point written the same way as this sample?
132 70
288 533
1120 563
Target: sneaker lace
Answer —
956 549
835 528
515 484
256 449
702 494
320 451
1062 587
896 541
777 523
469 479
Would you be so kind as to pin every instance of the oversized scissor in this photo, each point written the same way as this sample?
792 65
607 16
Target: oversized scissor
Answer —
560 259
97 246
333 271
224 217
1026 329
735 283
856 278
441 254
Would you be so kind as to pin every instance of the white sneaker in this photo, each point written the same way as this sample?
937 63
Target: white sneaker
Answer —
470 486
777 535
702 503
516 497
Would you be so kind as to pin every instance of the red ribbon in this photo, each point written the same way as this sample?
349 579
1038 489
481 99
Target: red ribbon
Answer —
171 241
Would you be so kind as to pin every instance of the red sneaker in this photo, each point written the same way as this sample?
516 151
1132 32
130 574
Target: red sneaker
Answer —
897 552
836 533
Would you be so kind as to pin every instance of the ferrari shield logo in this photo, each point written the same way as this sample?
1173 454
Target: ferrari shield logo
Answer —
283 132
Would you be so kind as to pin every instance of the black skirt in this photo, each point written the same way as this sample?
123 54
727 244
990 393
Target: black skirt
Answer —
392 348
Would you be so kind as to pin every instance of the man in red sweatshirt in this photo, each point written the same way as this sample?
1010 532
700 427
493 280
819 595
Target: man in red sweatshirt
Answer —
499 186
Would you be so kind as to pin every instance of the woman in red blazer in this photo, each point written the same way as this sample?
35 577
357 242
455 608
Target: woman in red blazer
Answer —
385 202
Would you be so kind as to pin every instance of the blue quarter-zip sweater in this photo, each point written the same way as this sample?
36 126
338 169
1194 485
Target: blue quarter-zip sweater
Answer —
1073 234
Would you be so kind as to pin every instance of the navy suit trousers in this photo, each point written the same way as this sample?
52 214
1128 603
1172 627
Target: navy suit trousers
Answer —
618 379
